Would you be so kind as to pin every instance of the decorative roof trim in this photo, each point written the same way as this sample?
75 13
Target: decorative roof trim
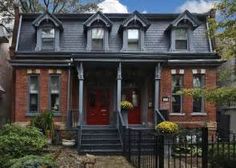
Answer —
137 17
186 15
47 16
99 16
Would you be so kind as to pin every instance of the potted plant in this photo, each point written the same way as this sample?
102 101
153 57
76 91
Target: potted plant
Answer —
44 121
125 107
68 138
168 129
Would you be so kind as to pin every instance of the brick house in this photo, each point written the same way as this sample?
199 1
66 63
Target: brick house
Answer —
82 65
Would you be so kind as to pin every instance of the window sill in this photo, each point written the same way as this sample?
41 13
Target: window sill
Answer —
57 114
199 114
177 114
31 114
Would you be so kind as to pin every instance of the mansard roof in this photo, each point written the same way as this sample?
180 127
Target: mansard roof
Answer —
98 17
186 15
46 16
136 16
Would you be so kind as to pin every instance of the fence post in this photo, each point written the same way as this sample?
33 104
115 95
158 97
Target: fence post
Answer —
139 149
129 148
204 147
161 151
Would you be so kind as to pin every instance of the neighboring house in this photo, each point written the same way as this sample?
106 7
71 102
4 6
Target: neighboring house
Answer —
227 112
5 76
83 65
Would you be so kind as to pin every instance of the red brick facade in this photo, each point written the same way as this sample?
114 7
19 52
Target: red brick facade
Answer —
186 119
21 94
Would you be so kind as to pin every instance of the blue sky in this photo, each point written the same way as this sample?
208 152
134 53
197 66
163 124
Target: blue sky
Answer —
156 6
153 5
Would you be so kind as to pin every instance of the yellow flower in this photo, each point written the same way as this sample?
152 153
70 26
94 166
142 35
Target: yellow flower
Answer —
126 105
167 127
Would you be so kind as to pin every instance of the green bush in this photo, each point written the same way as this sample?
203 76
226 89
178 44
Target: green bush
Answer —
32 161
17 141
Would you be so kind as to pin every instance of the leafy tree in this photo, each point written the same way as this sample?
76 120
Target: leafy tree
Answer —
223 30
54 6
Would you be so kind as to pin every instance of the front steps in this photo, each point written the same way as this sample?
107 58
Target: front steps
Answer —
100 140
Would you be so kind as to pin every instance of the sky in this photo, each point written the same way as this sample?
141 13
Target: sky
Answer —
156 6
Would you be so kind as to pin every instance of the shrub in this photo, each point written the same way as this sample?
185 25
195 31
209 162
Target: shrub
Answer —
17 141
44 121
167 127
32 161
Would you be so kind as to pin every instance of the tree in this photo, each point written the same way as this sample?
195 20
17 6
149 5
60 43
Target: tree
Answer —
53 6
223 30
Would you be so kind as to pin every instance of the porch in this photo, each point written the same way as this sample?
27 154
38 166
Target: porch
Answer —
97 89
96 94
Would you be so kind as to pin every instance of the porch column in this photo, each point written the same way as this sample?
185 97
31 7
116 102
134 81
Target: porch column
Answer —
157 90
80 71
118 98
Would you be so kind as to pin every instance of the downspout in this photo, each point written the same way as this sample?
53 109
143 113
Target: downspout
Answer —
209 39
69 112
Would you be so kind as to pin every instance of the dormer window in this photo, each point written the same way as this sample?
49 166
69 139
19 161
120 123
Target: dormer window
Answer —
133 39
97 39
48 29
133 31
181 32
181 39
48 38
97 29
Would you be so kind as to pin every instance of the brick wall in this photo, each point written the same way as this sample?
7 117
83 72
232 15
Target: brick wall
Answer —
21 98
187 119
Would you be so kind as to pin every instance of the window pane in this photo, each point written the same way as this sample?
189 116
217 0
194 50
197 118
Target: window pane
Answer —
177 82
197 80
97 33
55 84
133 45
181 34
133 34
55 102
97 44
47 44
176 103
48 33
34 84
197 104
33 103
181 44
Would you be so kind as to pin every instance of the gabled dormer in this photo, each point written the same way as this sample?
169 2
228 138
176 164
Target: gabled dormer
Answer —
48 29
97 29
181 31
132 30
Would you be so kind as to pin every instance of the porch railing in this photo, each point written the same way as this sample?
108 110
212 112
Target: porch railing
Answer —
160 116
121 128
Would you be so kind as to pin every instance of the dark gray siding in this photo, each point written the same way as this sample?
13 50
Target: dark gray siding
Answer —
73 38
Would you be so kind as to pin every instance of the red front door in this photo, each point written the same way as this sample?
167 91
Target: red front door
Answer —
133 96
98 106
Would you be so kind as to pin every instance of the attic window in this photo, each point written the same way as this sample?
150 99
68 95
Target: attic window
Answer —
97 38
48 38
133 39
181 39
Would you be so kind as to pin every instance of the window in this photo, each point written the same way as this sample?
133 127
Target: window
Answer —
133 39
198 82
33 94
97 38
54 93
181 39
48 38
177 84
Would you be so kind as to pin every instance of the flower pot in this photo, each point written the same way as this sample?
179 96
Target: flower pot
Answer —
125 116
168 142
68 143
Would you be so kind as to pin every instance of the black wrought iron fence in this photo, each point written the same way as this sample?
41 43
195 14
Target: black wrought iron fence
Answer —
189 149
